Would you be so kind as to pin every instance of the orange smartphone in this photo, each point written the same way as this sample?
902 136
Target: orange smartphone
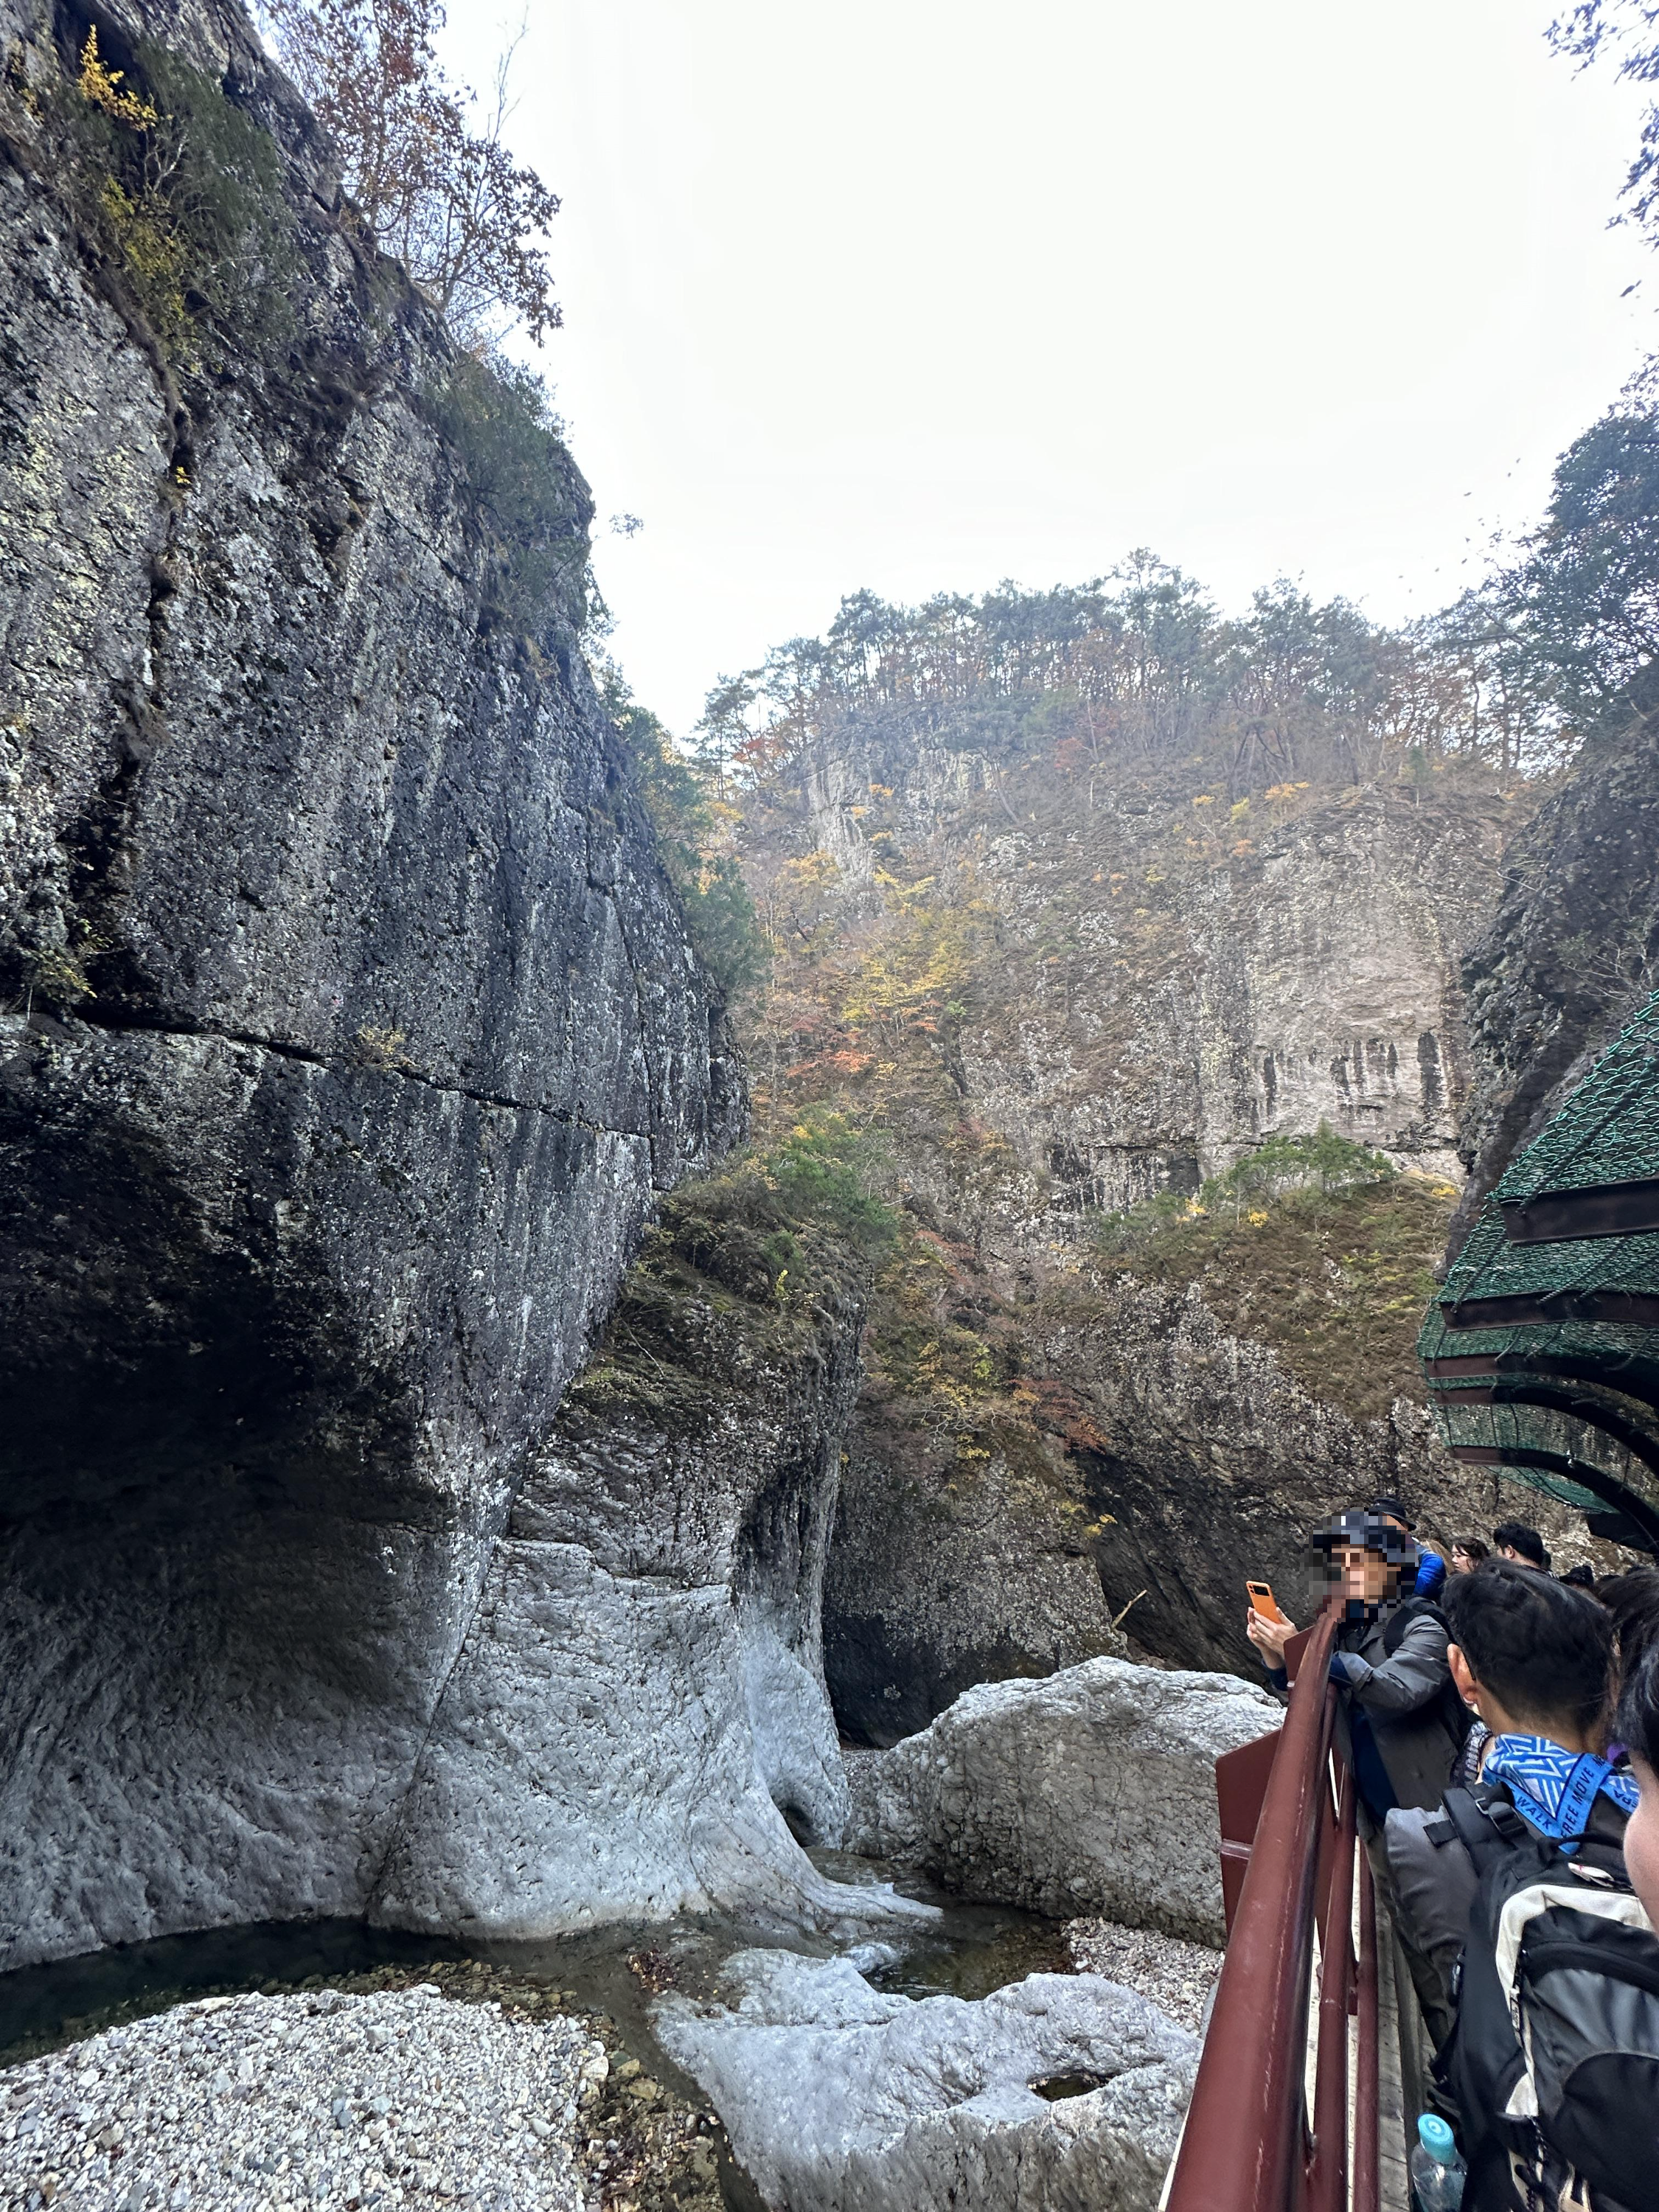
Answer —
1263 1601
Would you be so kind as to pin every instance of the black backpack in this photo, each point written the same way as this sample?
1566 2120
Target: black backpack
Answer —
1554 2061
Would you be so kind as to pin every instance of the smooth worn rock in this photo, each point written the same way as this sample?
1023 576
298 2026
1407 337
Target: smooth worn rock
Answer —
1091 1792
351 1029
640 1706
840 2099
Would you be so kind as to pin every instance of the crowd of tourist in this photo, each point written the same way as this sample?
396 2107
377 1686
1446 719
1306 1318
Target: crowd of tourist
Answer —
1502 1728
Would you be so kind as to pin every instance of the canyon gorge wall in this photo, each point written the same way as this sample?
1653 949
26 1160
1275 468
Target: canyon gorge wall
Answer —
1571 950
1123 983
383 1536
1174 979
350 1032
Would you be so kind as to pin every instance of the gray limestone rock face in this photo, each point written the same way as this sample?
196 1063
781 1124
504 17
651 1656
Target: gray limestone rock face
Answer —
1315 979
838 2098
350 1029
1571 949
941 1576
1213 1461
1136 1019
1191 1459
1091 1792
638 1717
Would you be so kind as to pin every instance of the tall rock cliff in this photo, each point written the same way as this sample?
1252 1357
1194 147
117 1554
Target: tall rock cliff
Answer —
1162 979
350 1023
1055 994
1572 946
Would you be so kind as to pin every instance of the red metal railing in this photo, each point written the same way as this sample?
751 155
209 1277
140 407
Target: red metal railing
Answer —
1289 1863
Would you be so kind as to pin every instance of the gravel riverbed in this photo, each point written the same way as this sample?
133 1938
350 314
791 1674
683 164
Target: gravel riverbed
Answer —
250 2104
457 2085
1177 1977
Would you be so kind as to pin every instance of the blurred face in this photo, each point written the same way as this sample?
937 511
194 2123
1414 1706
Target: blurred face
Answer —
1462 1564
1642 1839
1362 1577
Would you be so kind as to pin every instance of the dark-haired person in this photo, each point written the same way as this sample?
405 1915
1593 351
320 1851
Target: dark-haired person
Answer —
1581 1576
1535 1659
1465 1553
1514 1540
1430 1567
1633 1599
1399 1720
1637 1726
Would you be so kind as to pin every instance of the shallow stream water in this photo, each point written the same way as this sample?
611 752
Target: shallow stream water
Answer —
968 1952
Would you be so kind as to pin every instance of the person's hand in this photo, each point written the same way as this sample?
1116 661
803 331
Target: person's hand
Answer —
1269 1636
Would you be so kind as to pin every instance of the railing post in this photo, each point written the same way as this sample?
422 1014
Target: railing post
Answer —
1240 1788
1367 2095
1242 2148
1327 2171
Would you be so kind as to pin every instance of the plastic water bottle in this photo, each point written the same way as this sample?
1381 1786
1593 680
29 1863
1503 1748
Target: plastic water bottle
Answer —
1437 2171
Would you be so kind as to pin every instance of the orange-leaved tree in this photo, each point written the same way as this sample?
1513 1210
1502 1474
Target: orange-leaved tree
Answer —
464 217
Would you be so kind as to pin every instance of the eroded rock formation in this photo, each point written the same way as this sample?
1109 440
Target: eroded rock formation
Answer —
1093 1791
351 1028
640 1703
840 2098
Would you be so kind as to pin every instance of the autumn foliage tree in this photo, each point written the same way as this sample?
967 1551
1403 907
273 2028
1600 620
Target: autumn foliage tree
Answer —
445 198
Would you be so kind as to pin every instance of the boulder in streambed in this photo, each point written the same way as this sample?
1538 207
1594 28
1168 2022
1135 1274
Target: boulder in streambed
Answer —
841 2098
1089 1791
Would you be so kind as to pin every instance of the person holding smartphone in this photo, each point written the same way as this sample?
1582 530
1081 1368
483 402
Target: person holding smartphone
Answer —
1400 1723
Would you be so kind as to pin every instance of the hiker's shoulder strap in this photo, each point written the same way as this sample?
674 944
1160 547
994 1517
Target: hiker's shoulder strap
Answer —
1487 1824
1402 1618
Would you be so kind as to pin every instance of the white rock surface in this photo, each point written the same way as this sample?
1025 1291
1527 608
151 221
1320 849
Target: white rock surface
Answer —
1091 1792
840 2099
326 2099
597 1762
797 1752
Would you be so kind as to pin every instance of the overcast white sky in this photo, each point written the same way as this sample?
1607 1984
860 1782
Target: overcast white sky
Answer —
921 293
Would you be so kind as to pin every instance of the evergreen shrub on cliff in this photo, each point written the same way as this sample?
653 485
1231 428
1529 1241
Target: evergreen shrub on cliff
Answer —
497 418
778 1239
779 1213
1322 1164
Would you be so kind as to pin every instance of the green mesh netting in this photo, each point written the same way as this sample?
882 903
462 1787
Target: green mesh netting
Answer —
1542 1359
1622 1356
1553 1485
1468 1416
1608 1130
1490 1267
